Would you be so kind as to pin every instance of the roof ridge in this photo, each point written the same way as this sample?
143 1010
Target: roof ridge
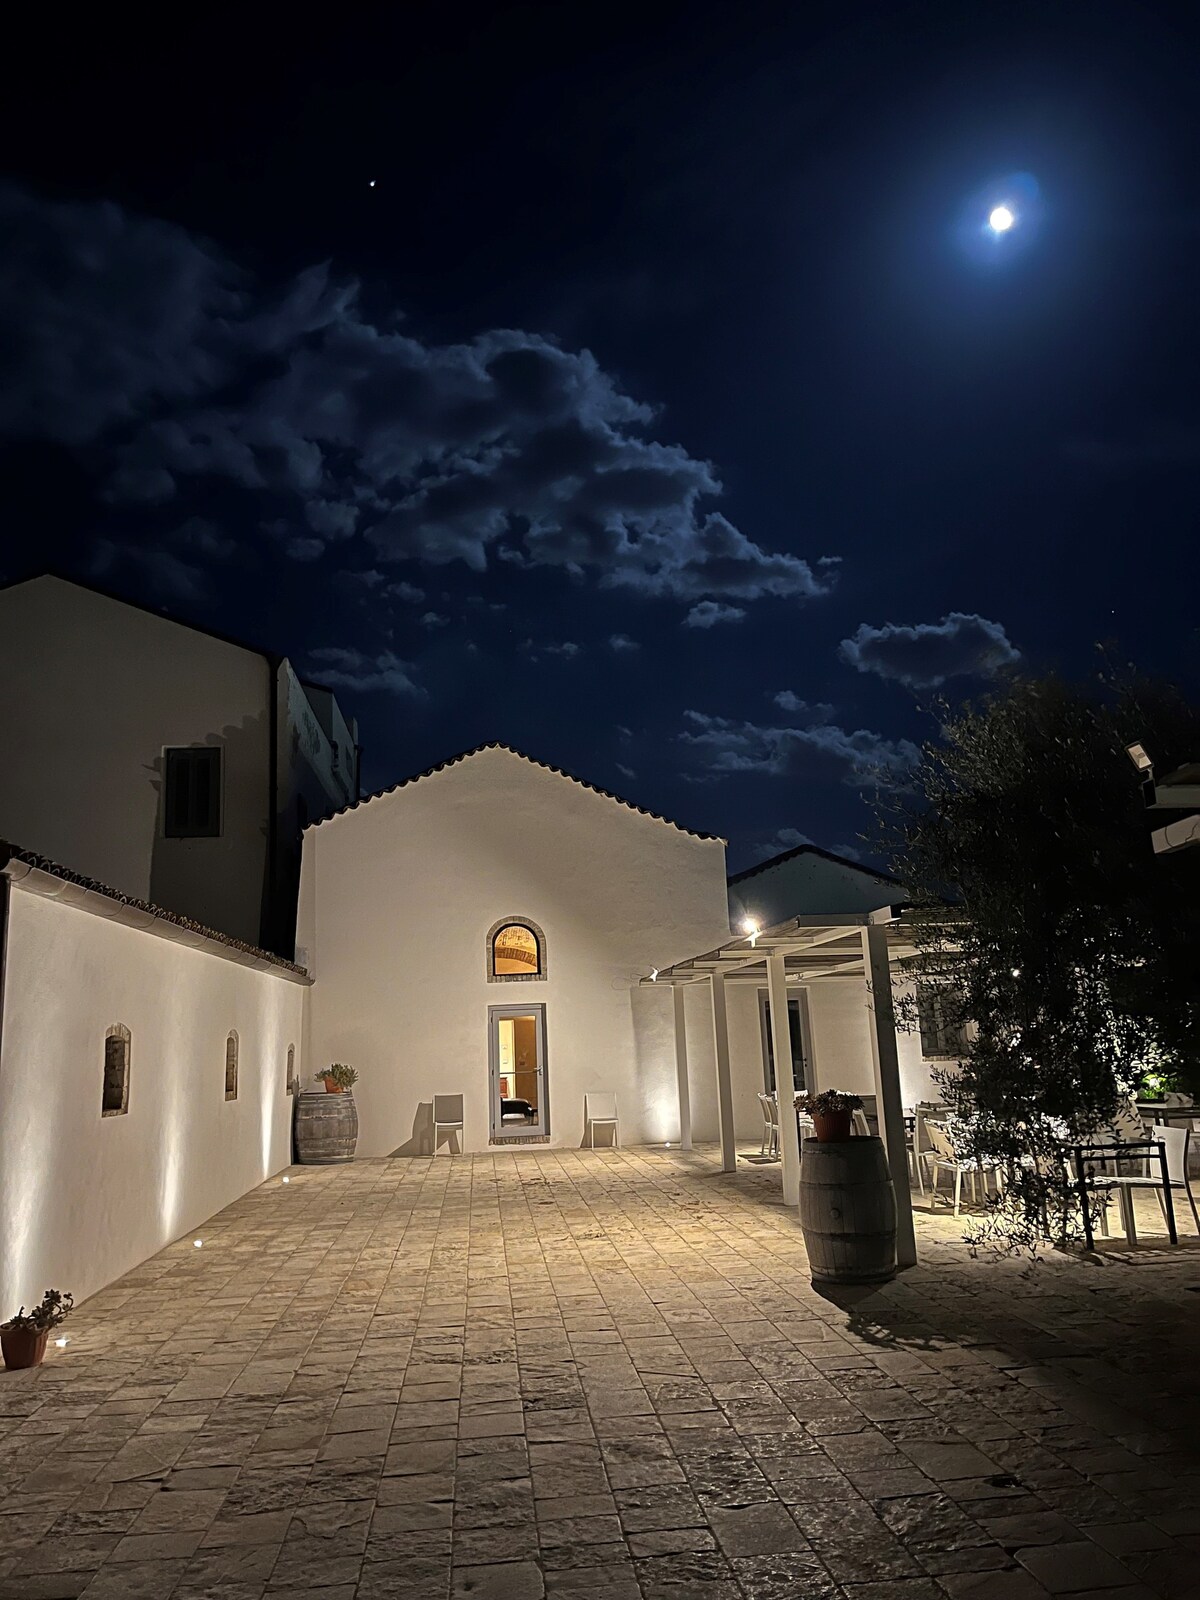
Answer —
546 766
815 850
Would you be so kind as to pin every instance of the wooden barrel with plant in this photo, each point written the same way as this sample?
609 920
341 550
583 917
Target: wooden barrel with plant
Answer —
326 1127
848 1211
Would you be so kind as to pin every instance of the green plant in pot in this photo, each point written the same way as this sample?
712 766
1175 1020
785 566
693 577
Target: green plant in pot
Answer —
337 1078
831 1113
23 1337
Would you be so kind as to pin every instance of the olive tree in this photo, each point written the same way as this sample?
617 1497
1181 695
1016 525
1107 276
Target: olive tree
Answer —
1068 951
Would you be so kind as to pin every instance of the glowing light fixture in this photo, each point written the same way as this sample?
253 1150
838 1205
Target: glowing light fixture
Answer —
196 1243
62 1343
750 926
1137 754
654 975
1001 219
287 1180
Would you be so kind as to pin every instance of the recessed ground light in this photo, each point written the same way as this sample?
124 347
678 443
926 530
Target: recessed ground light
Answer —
62 1343
287 1180
197 1243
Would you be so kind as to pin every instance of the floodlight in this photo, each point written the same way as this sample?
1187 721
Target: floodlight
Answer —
1137 754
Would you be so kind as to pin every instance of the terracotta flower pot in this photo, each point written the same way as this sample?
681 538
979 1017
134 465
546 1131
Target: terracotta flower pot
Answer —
23 1347
331 1087
831 1127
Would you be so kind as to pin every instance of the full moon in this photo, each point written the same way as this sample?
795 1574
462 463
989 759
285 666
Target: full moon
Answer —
1001 219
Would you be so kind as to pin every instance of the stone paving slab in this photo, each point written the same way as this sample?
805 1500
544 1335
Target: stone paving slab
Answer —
601 1374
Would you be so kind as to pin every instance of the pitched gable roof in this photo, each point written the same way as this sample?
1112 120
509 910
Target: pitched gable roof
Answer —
812 850
495 744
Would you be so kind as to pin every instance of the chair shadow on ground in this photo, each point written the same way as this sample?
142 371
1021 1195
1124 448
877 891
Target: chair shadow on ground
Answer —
420 1142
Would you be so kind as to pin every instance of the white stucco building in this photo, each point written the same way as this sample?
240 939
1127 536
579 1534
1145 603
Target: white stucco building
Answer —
480 930
144 1077
174 764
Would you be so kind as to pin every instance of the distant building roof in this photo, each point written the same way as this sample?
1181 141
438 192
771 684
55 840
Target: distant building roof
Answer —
812 850
478 749
236 949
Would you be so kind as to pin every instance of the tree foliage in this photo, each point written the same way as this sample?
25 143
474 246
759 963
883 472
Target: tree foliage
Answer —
1068 948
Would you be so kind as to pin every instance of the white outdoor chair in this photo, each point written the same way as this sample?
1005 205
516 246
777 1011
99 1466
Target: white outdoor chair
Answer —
600 1111
770 1112
448 1115
943 1157
859 1125
1175 1141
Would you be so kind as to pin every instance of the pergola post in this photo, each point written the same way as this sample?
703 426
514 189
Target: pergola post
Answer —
781 1049
724 1084
681 1068
886 1062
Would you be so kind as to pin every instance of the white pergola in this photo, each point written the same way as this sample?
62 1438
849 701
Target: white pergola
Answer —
791 956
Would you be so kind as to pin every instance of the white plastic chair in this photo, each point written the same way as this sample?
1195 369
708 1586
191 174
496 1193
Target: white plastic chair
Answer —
448 1115
1175 1142
859 1124
770 1112
600 1111
943 1157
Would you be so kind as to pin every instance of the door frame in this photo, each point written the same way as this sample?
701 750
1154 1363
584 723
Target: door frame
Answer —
802 1036
540 1129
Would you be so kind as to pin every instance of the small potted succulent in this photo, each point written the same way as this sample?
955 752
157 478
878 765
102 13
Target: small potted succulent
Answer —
23 1337
337 1078
831 1112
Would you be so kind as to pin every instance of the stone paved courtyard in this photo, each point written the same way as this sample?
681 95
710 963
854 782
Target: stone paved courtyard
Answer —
605 1374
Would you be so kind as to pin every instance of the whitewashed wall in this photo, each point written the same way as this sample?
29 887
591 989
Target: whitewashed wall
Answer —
397 898
84 1197
91 691
839 1009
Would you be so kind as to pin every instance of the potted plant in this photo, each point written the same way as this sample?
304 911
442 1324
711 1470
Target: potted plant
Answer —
830 1112
337 1078
23 1337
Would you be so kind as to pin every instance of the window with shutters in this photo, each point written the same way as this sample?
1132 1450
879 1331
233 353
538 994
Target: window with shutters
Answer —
231 1066
192 792
114 1100
941 1020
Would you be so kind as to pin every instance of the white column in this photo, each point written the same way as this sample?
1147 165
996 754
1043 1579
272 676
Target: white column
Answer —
781 1049
724 1085
681 1068
886 1062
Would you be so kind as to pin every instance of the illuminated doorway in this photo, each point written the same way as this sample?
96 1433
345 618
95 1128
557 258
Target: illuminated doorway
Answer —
517 1070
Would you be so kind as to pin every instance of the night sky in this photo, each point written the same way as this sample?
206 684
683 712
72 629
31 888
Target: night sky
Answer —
640 388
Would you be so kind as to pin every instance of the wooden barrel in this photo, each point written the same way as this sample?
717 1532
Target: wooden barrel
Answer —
848 1211
326 1127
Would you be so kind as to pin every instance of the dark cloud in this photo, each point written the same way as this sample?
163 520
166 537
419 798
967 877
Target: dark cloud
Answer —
729 747
707 613
924 654
355 669
622 644
129 332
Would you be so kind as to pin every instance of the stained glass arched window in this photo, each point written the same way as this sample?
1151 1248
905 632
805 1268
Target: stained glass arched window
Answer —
516 950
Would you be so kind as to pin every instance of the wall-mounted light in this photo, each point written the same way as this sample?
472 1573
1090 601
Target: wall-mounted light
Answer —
653 974
1137 754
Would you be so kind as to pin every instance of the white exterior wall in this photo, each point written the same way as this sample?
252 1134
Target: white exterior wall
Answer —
85 1197
91 691
806 884
398 896
839 1009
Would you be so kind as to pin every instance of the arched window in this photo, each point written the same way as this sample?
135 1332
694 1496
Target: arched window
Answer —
516 951
115 1095
291 1067
231 1065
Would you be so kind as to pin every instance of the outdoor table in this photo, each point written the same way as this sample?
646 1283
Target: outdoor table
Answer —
1156 1111
1126 1150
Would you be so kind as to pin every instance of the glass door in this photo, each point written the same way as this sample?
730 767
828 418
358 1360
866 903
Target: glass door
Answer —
517 1070
796 1034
